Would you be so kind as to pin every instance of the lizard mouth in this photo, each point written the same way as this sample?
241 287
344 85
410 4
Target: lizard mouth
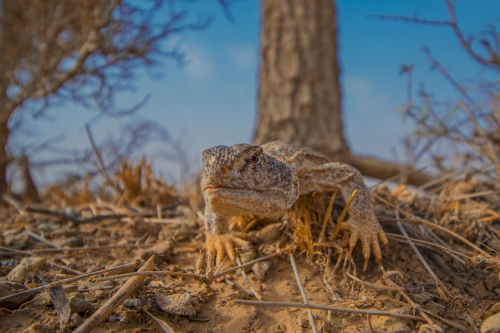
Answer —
215 187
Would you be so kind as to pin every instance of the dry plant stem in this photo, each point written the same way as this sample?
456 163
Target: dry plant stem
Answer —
344 212
64 269
161 220
439 284
159 213
164 273
444 320
473 195
414 219
247 281
333 295
92 248
41 239
372 285
65 281
329 308
303 292
434 237
435 182
491 218
370 326
409 300
361 301
229 270
63 216
100 167
250 225
15 251
397 177
331 292
69 270
115 300
424 311
321 237
420 242
337 265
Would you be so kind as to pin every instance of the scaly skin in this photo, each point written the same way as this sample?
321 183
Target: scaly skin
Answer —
266 180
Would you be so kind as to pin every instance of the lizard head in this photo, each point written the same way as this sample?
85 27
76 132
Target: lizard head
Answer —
243 180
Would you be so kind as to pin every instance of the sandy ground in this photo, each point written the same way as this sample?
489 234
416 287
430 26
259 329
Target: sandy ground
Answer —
465 294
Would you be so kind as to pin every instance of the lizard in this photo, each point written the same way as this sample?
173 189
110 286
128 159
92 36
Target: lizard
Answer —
246 179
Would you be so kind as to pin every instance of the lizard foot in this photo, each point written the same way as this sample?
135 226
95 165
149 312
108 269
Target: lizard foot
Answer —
370 233
217 246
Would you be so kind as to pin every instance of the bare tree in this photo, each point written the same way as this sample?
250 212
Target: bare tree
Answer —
468 127
299 90
84 51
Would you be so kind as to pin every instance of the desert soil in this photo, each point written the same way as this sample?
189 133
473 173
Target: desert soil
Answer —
55 234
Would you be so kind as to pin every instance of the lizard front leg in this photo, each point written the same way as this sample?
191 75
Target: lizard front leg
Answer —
219 241
362 223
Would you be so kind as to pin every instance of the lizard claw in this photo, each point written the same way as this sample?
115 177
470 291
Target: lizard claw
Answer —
370 233
217 246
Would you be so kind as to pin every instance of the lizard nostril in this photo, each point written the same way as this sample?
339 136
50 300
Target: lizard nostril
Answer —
224 170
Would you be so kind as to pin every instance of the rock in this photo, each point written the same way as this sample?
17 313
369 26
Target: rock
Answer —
427 328
260 268
76 319
178 304
162 250
78 303
491 324
123 270
17 242
22 271
76 241
270 233
95 286
9 288
143 304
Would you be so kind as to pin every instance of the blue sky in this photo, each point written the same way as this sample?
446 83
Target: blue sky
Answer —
211 100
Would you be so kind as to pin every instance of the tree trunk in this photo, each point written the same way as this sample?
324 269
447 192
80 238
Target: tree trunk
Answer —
299 90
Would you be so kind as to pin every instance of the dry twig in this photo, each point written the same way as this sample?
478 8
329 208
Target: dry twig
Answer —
443 291
387 280
247 281
342 216
415 219
329 308
303 292
118 298
372 285
66 281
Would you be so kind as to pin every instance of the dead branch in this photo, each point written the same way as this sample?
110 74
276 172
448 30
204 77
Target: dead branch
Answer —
329 308
492 62
302 292
65 281
118 298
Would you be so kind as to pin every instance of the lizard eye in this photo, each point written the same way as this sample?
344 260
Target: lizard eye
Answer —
255 159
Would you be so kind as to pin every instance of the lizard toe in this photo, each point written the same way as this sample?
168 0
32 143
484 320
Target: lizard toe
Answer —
369 240
230 250
355 235
210 257
218 246
366 241
382 237
377 252
221 251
